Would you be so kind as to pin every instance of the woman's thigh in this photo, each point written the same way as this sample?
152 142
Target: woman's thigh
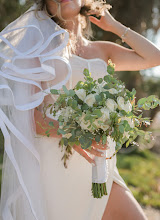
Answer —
122 205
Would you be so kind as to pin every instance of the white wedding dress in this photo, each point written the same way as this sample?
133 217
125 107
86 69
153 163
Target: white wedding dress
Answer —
35 183
67 192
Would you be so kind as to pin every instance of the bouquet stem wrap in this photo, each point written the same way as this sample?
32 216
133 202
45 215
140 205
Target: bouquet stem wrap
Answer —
99 175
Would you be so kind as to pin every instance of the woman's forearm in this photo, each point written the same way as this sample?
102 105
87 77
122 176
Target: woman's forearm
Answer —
141 45
42 125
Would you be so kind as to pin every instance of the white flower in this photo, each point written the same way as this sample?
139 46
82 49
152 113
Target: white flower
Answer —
112 91
120 101
90 100
84 124
111 104
121 86
99 88
81 93
66 112
128 106
104 127
68 135
126 135
122 106
105 114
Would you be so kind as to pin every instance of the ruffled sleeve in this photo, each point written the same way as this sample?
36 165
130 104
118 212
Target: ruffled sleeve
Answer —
32 51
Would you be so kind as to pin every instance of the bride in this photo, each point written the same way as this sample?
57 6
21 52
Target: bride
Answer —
45 48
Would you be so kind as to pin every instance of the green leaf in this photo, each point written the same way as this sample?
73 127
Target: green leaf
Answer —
89 135
100 80
86 72
71 92
47 131
65 141
97 112
61 131
110 69
78 132
118 146
98 98
106 86
108 78
65 90
54 91
126 125
104 139
127 143
69 102
121 129
141 101
85 142
84 107
51 124
74 104
97 138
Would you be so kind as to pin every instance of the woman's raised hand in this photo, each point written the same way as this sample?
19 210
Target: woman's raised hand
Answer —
95 145
106 22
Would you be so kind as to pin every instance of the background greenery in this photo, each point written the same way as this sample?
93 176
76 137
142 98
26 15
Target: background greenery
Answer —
140 169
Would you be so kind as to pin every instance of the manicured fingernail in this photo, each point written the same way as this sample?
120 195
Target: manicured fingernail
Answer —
93 164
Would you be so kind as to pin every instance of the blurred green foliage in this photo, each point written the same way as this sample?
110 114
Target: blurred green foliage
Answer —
140 170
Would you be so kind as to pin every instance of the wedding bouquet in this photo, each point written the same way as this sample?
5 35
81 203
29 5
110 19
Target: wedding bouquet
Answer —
101 110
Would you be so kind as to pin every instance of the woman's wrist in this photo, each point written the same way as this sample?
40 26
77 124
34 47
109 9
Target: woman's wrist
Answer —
118 28
42 125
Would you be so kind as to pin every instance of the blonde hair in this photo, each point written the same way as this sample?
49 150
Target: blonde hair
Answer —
89 5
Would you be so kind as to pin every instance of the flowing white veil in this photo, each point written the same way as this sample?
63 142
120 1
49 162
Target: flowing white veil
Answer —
32 51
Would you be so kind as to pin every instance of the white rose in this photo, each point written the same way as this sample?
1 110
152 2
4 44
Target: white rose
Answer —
81 93
122 106
128 106
111 104
68 135
90 100
120 101
112 91
105 114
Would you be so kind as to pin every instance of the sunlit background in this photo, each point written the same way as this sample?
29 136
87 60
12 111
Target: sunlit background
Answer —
139 166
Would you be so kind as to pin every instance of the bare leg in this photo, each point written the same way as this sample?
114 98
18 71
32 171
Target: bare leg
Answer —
122 205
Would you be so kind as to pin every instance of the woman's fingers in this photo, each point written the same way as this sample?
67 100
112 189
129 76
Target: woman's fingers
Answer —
93 12
99 145
83 154
95 152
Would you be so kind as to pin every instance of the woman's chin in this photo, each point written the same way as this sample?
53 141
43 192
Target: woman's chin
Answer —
70 13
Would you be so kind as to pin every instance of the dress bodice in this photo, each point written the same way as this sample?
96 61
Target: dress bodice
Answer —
97 67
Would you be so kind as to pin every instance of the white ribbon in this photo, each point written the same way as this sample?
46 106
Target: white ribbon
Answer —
45 73
100 172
